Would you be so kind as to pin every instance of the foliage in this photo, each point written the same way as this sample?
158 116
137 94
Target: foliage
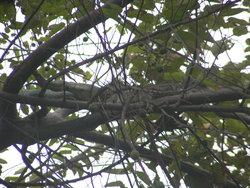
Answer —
148 91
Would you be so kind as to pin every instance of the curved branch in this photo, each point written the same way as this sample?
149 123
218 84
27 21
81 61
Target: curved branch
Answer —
145 153
17 78
24 132
239 116
191 101
90 122
204 97
20 74
74 30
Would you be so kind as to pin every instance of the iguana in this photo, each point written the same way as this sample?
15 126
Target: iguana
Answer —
48 93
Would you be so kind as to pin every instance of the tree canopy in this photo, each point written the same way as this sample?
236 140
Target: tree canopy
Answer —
153 92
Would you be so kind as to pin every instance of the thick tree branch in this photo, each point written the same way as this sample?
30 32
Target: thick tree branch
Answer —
191 101
71 32
21 73
145 153
245 118
91 122
25 132
210 108
17 78
13 98
204 97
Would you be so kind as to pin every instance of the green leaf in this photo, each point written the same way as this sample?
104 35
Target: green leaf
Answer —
237 21
63 152
135 154
197 181
4 35
2 161
147 17
158 184
188 40
19 171
116 171
177 76
174 167
24 108
87 76
11 178
53 141
218 173
79 141
221 46
231 11
71 147
54 28
143 177
115 184
7 11
79 71
240 30
58 158
235 126
132 13
247 49
112 12
147 5
248 41
17 52
152 166
26 45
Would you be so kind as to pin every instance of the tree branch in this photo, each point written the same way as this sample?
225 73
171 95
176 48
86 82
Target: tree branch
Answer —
20 74
191 101
204 97
24 132
145 153
17 78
